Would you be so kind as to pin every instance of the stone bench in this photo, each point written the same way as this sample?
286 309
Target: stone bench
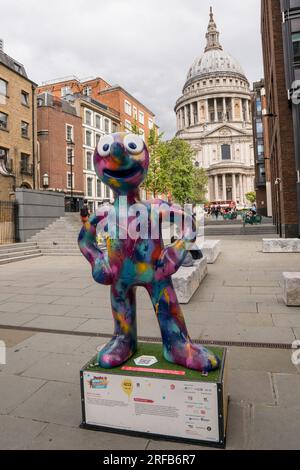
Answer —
281 245
187 280
291 289
211 249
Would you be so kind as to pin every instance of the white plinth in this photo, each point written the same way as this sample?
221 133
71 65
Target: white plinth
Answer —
211 249
187 280
291 289
281 245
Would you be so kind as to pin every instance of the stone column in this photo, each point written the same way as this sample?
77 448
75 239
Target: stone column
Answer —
247 111
182 117
216 187
224 109
224 187
242 194
234 187
192 114
206 112
208 189
199 110
216 110
186 121
233 109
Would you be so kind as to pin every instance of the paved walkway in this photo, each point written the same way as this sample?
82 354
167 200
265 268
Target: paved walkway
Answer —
239 301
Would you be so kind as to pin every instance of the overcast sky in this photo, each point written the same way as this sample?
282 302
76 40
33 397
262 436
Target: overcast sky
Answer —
147 46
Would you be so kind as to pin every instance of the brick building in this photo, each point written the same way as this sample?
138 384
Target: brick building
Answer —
261 150
60 149
131 110
277 40
17 127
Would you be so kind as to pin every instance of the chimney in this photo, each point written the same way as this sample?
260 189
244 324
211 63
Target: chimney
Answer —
1 45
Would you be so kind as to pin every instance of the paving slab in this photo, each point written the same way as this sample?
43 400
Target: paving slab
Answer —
271 360
54 437
18 360
16 319
47 309
288 390
55 402
13 337
55 322
289 319
249 334
12 306
247 386
39 299
52 343
274 428
15 390
277 309
18 433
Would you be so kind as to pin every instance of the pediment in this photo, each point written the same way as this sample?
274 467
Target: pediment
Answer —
226 131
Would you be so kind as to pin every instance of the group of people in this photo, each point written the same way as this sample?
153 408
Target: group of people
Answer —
218 211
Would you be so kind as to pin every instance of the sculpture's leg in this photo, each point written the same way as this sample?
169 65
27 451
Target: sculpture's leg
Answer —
124 342
178 348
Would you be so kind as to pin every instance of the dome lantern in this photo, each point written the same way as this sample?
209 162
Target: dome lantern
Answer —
212 35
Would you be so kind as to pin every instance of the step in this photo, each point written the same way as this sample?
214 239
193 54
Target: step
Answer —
59 253
17 245
18 254
20 258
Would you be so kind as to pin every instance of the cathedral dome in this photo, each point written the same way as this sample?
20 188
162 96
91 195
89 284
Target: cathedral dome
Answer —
214 61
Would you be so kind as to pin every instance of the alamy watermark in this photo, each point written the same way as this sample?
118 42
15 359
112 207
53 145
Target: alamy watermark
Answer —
152 221
2 353
295 92
296 353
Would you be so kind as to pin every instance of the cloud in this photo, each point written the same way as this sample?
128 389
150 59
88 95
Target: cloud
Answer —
145 46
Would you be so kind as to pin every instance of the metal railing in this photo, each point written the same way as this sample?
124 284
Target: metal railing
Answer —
8 222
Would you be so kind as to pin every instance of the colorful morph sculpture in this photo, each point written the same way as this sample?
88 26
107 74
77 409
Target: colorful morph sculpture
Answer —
121 161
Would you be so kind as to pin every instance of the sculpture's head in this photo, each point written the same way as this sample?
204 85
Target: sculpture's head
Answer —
121 161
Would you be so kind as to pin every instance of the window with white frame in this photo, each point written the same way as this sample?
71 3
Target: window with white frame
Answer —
69 133
106 125
88 138
97 138
89 187
87 91
98 121
89 161
3 87
70 180
88 118
114 127
127 125
135 114
127 107
142 132
70 156
141 117
66 90
150 123
98 188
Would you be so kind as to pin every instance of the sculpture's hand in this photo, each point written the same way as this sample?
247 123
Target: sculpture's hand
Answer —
87 241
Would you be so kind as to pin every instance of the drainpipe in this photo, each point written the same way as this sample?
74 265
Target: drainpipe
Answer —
33 138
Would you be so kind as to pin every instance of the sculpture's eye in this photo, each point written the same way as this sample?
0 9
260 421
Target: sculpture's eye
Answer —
104 145
133 143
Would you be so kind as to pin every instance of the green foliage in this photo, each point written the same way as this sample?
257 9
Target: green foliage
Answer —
135 127
251 197
200 182
180 168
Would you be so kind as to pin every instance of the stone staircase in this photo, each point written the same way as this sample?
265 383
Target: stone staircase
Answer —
60 237
18 252
238 229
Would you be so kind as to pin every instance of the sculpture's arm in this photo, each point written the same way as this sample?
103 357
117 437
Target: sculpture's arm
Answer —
101 269
173 256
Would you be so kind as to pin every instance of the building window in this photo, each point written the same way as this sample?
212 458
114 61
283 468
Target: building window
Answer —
3 120
127 107
88 138
91 206
226 152
24 129
98 188
66 90
150 123
98 121
89 187
106 125
88 118
89 159
135 112
127 125
69 133
25 167
296 46
24 98
114 127
107 192
97 138
3 87
70 180
70 156
87 91
141 117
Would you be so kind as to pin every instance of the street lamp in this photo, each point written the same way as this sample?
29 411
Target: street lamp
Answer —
277 186
45 180
71 145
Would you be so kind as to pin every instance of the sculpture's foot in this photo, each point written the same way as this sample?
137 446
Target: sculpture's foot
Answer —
192 356
117 351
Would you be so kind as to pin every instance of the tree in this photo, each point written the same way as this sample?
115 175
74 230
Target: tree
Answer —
157 179
135 127
200 181
251 197
180 169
